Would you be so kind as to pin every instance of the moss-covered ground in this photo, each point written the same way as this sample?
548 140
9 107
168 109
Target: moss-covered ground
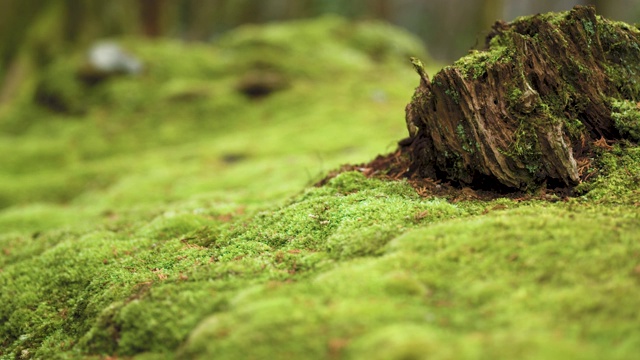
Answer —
170 215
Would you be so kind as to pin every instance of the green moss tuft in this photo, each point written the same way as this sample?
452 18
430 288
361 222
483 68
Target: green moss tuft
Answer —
475 64
626 116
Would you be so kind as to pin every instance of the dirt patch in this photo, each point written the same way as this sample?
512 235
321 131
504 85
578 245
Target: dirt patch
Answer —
396 166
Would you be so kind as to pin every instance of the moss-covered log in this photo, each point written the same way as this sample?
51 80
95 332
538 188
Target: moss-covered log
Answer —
528 109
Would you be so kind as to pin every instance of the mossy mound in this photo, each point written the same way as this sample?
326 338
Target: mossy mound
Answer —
82 137
357 268
273 56
532 108
489 287
178 155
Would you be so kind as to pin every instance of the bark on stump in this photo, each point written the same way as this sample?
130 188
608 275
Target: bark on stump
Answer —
529 108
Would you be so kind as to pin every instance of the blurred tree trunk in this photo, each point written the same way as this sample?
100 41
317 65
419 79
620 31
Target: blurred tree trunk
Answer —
151 17
604 7
38 41
199 20
13 30
382 9
245 11
299 9
492 10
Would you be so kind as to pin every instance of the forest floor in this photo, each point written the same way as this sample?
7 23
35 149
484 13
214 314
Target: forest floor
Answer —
182 213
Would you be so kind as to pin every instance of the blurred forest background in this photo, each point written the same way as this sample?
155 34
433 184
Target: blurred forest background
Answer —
33 32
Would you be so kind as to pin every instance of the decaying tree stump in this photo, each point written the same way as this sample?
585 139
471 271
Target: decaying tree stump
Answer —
529 108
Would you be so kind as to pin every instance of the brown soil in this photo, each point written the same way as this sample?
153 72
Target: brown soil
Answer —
396 166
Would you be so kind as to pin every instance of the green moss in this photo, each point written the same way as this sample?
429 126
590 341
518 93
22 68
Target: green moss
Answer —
620 43
616 180
382 42
590 28
475 64
626 117
454 94
514 95
337 44
351 216
467 145
437 289
144 199
526 146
